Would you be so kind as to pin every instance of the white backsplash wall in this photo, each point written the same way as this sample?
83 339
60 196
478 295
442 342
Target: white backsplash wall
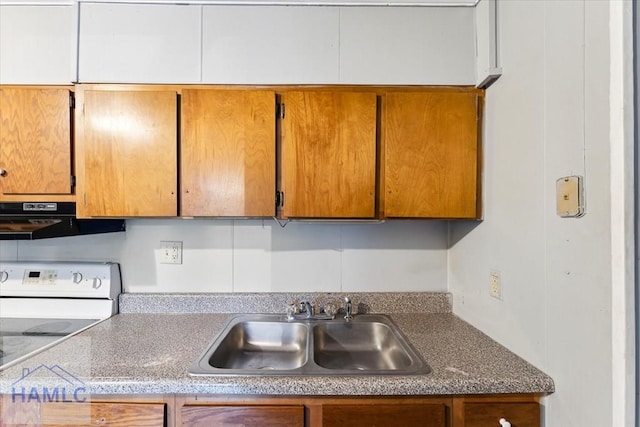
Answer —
260 256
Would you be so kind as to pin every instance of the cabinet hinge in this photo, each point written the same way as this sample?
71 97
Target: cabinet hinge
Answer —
280 110
72 100
279 199
73 181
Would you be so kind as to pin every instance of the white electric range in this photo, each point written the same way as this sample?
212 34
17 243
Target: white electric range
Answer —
43 303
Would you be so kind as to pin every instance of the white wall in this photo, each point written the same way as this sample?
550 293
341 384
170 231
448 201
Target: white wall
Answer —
546 117
260 256
152 43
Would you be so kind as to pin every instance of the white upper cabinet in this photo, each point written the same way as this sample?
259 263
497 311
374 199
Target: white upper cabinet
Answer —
330 45
487 62
236 44
270 45
37 44
407 45
139 43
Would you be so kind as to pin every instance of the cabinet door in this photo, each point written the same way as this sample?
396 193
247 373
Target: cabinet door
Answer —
328 165
384 415
228 153
129 154
430 155
489 414
37 42
239 416
139 43
35 141
114 414
276 50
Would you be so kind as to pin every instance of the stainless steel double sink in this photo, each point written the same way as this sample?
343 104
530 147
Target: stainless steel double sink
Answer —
263 344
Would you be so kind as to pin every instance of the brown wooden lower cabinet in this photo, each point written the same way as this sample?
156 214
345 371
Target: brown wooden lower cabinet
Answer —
487 414
363 411
280 411
113 414
486 411
243 416
380 415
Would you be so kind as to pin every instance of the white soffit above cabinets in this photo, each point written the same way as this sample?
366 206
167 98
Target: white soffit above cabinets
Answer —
392 3
37 2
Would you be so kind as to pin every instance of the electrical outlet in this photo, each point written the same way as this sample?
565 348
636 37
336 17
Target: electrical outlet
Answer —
495 285
170 252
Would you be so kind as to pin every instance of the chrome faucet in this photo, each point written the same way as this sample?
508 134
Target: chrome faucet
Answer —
307 308
304 310
347 309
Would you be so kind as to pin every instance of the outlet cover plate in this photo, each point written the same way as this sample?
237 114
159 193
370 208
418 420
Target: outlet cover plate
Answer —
170 252
495 284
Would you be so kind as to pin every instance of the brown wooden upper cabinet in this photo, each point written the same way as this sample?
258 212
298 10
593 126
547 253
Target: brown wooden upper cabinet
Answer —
35 143
127 153
341 152
228 153
328 154
430 155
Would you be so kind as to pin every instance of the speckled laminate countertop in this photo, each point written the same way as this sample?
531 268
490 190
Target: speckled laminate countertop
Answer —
150 353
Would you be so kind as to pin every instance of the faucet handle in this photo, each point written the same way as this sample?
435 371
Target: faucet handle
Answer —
292 309
330 309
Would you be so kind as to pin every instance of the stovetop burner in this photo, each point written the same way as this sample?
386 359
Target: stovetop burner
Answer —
14 326
52 328
21 337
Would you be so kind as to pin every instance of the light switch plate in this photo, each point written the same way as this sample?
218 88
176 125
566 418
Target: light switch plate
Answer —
570 197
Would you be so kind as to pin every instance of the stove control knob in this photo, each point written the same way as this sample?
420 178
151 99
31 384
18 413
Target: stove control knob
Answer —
3 276
76 277
96 282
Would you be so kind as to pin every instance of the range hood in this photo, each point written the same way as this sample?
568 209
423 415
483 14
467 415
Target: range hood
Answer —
43 220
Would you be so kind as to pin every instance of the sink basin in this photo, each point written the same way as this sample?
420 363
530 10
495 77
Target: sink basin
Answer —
263 344
363 346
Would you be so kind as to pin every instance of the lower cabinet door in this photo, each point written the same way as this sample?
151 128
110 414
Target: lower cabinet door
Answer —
383 415
113 414
240 416
489 414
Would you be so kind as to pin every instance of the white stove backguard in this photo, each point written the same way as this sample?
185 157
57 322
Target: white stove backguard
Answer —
60 280
80 290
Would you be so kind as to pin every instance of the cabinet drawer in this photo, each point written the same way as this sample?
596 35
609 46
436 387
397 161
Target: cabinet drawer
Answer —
488 414
429 415
114 414
211 416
